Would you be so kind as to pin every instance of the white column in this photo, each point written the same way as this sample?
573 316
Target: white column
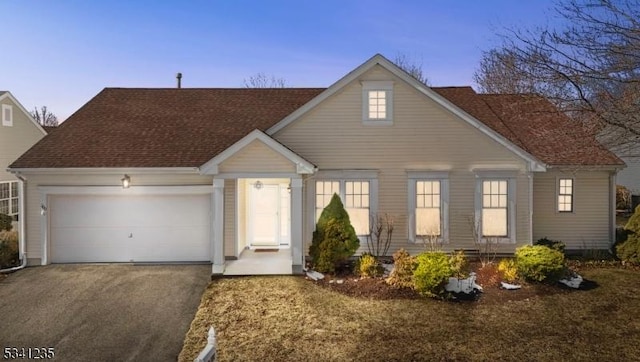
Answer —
297 244
217 247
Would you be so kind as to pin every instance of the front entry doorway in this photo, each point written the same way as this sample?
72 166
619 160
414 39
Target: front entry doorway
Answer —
267 211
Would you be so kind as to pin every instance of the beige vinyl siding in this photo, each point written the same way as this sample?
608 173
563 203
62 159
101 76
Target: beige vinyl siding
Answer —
32 202
257 157
424 136
230 218
588 225
16 140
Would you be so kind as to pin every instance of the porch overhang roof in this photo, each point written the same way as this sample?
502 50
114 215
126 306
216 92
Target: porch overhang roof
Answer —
302 166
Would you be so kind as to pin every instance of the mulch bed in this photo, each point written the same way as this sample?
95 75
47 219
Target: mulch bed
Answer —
488 278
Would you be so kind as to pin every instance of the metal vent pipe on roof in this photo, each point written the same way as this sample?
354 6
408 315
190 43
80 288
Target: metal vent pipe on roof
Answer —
179 78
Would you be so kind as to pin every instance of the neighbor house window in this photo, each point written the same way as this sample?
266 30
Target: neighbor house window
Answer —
428 205
565 195
9 198
377 101
495 216
356 196
7 115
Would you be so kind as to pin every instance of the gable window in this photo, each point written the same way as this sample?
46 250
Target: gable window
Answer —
357 196
565 195
9 198
7 115
377 102
428 205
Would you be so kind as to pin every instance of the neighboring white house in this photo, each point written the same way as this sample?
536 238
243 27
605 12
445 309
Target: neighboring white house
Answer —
18 132
210 175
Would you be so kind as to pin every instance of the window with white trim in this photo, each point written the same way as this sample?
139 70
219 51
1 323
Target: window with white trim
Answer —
9 198
565 195
495 209
428 208
324 193
356 197
7 115
377 102
428 202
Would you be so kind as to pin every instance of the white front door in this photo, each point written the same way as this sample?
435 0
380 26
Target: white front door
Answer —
264 221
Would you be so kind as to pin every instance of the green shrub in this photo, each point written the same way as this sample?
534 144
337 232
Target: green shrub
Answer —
334 239
629 251
367 266
402 272
8 249
432 273
538 262
5 222
508 269
459 264
553 244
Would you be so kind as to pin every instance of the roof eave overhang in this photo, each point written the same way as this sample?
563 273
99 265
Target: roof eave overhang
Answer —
611 168
103 170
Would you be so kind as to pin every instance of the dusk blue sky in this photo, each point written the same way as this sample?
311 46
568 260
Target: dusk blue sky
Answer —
62 53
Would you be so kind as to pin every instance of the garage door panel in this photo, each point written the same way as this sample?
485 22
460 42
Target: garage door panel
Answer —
88 211
141 228
152 244
80 245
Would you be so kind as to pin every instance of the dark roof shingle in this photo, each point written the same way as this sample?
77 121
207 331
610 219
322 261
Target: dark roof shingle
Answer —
125 127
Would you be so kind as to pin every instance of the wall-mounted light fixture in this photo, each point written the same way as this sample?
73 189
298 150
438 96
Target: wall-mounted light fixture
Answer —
43 209
126 182
289 187
258 185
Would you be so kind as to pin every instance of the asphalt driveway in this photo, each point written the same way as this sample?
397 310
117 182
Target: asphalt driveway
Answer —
101 312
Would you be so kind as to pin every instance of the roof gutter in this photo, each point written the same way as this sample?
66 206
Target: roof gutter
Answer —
105 170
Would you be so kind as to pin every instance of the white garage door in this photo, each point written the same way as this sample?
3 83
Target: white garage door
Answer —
140 228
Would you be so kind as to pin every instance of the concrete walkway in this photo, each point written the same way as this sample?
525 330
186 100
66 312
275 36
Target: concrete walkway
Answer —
104 312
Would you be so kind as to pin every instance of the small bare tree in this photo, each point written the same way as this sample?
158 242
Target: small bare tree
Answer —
411 66
261 80
431 241
487 246
380 235
44 117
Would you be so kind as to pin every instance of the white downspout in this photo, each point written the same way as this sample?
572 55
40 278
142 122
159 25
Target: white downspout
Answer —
22 241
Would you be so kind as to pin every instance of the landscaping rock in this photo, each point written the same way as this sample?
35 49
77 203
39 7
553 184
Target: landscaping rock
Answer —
508 286
466 286
387 270
340 281
314 275
572 282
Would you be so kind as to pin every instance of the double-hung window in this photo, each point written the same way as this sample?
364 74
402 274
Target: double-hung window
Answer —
428 206
495 220
377 102
565 195
356 195
496 206
9 198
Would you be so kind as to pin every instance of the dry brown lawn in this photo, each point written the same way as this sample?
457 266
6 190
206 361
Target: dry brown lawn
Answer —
292 319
